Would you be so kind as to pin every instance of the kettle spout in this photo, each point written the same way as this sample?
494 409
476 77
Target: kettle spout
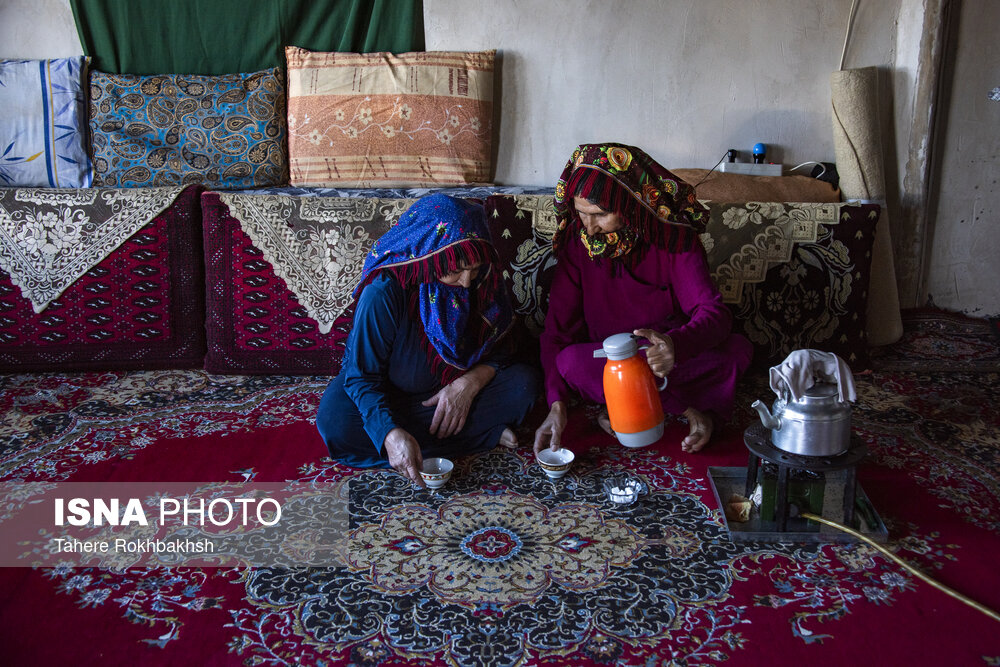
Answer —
769 421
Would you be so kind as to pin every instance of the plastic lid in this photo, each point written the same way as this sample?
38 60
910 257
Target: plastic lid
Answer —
620 346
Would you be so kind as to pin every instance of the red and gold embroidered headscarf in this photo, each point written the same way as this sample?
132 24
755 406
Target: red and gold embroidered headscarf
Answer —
655 205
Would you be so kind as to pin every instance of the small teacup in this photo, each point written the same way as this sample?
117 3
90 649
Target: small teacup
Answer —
436 472
555 462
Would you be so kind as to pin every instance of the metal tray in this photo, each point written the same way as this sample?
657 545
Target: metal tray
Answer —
727 481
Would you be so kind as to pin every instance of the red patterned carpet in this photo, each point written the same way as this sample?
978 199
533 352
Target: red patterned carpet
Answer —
505 567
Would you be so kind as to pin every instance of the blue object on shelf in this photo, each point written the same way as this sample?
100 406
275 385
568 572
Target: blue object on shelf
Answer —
759 153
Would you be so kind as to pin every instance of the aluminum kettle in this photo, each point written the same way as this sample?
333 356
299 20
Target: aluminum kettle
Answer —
816 424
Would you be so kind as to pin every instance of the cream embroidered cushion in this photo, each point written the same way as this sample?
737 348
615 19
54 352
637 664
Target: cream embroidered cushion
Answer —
384 120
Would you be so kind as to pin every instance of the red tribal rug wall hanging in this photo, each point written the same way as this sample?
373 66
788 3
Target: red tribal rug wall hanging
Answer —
101 278
503 565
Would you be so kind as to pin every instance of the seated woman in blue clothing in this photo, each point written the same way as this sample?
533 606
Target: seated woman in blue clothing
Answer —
422 375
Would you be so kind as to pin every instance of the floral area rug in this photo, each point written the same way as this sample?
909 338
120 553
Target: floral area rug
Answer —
943 342
503 566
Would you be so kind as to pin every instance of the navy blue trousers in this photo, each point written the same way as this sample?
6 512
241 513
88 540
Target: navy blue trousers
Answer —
502 403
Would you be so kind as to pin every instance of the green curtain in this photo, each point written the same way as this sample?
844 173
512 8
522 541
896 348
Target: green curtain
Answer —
229 36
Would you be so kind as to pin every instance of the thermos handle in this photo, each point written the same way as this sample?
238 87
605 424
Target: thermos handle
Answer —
601 354
664 385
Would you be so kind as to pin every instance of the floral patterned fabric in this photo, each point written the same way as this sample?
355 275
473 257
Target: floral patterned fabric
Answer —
467 191
280 272
544 572
225 132
378 119
522 227
795 275
43 122
655 205
141 305
49 238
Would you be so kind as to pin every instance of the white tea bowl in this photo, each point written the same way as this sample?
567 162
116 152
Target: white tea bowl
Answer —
555 462
435 472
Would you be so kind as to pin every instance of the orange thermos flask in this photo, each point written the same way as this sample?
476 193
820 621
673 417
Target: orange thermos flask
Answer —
631 393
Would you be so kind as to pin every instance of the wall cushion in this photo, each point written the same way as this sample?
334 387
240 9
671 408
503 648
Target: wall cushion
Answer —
280 272
720 186
378 119
795 275
225 132
43 123
141 307
49 238
522 227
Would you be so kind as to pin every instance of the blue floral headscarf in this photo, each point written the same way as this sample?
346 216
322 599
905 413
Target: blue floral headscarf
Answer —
436 236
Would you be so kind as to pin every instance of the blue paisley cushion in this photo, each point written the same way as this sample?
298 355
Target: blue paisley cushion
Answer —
226 132
43 124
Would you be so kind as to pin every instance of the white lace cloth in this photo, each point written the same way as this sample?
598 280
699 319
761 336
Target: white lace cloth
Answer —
803 368
49 238
317 245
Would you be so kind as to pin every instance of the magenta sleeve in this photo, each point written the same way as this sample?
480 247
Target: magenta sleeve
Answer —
563 325
710 320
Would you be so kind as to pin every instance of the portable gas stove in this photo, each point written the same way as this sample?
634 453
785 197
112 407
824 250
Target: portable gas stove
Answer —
781 485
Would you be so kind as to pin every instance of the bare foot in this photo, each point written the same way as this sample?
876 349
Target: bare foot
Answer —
508 439
701 430
604 421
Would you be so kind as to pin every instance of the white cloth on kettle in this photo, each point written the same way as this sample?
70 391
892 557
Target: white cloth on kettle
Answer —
803 368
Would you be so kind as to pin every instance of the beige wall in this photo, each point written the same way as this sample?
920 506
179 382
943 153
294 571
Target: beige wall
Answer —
687 79
37 29
963 272
683 79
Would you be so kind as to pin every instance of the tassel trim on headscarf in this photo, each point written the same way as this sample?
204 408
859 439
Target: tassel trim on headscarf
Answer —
437 235
450 259
657 206
610 194
439 263
446 260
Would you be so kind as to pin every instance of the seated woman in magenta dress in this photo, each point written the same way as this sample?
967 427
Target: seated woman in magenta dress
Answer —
630 260
422 374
